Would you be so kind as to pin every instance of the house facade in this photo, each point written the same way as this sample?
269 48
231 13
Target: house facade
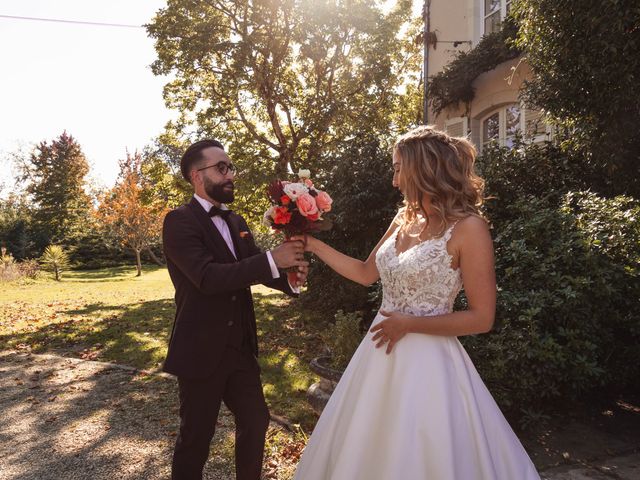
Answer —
496 113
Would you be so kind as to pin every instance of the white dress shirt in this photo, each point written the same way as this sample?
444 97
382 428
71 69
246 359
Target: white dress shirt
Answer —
223 228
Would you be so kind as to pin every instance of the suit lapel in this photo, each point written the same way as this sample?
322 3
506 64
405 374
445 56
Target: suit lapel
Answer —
212 232
238 243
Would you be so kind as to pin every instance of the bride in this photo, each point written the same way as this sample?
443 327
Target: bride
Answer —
411 405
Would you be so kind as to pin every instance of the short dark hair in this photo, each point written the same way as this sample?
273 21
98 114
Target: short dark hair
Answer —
193 154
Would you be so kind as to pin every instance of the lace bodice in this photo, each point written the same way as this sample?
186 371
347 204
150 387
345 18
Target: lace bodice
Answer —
419 281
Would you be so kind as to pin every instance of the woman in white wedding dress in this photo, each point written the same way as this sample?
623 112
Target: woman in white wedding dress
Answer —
411 405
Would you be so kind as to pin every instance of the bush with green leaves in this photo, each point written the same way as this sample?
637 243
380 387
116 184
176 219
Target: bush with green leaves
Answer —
343 337
547 170
585 68
91 251
567 321
364 203
55 259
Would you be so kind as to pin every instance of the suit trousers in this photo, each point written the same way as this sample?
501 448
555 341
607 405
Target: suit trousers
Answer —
236 381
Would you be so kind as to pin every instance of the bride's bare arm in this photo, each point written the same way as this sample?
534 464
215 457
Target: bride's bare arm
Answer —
364 273
476 263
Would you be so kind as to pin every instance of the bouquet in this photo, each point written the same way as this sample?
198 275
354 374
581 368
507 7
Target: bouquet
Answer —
297 207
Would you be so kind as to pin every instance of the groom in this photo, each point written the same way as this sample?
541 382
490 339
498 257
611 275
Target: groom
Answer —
213 260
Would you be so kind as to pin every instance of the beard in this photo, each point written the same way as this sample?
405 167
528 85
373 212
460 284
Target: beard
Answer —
218 192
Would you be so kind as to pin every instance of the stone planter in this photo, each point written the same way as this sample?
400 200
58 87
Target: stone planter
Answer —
319 393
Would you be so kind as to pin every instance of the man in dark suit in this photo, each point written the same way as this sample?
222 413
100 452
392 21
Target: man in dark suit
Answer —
213 260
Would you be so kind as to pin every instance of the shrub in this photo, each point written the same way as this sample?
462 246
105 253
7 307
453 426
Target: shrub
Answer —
343 337
584 73
91 251
29 268
567 313
55 259
547 170
8 267
364 203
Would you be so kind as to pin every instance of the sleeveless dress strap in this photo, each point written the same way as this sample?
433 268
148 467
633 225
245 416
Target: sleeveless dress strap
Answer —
449 231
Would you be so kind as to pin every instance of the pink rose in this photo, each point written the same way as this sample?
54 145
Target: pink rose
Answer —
306 205
324 201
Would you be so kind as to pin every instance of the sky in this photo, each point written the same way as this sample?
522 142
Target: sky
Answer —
95 82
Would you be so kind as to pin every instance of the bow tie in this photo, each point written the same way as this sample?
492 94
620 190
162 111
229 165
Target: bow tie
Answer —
215 211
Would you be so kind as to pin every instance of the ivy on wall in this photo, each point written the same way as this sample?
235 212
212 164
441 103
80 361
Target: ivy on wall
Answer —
454 84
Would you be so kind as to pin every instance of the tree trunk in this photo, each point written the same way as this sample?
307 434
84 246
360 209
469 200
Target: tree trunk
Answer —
138 263
57 272
154 258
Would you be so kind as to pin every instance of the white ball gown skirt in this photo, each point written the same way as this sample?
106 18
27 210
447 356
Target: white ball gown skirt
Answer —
421 412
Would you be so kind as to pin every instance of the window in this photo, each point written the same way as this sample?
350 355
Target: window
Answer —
494 12
502 125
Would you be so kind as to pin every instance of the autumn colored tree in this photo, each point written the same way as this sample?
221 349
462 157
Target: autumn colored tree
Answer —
128 219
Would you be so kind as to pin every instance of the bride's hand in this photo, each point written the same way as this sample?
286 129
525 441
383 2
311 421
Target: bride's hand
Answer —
391 329
308 240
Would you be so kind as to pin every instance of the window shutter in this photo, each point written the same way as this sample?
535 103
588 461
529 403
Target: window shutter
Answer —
535 125
456 127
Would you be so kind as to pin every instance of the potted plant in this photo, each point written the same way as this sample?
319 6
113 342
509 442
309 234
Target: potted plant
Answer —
341 340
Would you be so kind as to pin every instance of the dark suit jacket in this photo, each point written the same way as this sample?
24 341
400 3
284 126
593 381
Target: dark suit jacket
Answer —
212 287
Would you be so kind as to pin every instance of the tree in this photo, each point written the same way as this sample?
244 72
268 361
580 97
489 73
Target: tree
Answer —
55 259
16 226
127 219
281 81
585 69
56 175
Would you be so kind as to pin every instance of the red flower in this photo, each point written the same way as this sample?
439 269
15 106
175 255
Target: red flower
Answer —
281 215
285 200
275 191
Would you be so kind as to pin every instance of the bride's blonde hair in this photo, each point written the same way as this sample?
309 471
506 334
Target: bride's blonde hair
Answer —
435 164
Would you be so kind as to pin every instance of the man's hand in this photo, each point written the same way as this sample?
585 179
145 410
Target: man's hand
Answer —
289 254
302 276
391 329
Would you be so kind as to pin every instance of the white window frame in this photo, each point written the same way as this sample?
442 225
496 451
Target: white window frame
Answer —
502 126
503 8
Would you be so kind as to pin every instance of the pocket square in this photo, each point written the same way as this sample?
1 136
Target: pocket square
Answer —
244 234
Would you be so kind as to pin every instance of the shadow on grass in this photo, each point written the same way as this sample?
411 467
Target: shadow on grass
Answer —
135 334
107 274
289 339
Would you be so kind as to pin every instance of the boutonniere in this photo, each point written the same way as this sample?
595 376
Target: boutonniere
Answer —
244 234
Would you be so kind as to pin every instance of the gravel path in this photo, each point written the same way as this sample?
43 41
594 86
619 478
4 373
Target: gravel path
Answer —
66 418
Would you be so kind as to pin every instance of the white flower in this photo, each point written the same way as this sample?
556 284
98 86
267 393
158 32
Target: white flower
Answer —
294 190
267 219
304 173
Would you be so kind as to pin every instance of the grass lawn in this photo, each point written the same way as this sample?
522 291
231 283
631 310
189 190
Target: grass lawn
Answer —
114 316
